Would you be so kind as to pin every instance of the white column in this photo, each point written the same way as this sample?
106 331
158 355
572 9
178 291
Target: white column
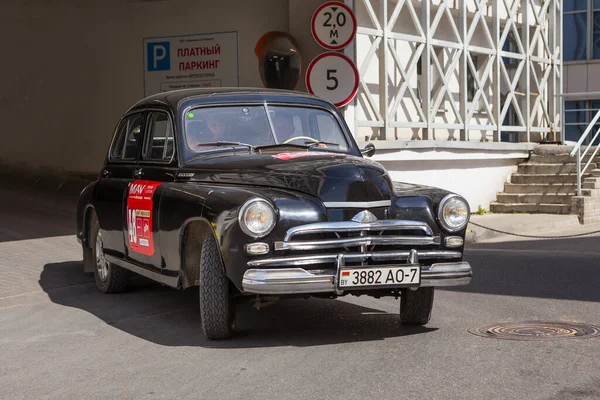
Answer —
463 73
426 65
496 91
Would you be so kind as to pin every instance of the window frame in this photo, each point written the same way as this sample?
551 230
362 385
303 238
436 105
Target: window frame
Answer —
311 122
189 154
589 32
113 143
590 111
148 118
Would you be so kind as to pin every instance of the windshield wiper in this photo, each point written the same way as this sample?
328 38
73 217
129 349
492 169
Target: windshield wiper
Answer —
225 143
302 146
276 145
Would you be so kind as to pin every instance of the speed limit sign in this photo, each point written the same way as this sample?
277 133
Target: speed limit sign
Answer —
333 77
333 25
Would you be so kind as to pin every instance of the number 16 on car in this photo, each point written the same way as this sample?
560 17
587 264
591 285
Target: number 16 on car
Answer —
333 77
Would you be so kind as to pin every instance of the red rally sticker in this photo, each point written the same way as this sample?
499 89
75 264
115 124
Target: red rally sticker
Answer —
139 216
292 155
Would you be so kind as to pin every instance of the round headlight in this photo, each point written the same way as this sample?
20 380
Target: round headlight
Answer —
257 218
453 213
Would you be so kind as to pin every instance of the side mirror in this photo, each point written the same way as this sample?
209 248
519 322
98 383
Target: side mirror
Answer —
369 150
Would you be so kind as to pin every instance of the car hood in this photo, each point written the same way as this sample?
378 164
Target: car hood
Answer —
332 177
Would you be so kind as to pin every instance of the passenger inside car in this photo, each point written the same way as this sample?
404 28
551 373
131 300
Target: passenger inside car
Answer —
284 127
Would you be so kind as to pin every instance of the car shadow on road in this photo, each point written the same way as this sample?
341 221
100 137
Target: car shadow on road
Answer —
564 269
171 318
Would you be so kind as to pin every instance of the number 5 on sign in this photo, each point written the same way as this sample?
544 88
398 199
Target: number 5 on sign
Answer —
333 77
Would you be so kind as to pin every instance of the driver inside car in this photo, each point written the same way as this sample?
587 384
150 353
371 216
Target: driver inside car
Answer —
285 129
220 129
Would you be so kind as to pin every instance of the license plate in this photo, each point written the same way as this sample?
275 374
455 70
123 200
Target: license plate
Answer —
379 276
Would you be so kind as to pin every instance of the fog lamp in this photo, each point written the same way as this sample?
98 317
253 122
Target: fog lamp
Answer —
255 249
453 241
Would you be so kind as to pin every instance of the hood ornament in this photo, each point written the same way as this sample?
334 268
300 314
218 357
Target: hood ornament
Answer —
364 217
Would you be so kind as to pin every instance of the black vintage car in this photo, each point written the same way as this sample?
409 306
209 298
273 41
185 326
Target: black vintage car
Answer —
258 195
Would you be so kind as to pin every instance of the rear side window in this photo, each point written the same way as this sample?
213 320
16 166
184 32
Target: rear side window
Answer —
126 142
159 144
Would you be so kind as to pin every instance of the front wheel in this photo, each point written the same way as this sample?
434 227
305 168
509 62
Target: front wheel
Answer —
217 307
416 305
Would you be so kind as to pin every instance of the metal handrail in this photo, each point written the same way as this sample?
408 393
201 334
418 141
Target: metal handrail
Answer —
577 150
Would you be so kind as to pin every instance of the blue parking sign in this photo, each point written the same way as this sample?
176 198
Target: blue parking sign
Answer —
159 56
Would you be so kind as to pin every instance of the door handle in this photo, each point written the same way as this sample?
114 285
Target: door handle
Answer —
138 173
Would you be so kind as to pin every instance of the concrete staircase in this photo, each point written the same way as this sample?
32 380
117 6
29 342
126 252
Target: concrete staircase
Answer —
547 184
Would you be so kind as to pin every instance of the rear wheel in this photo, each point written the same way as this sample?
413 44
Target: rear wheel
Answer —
217 306
416 305
109 278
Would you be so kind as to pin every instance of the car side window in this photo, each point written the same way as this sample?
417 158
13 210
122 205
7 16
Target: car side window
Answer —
159 145
126 142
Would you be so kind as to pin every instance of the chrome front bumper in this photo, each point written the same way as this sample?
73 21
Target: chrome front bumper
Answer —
299 280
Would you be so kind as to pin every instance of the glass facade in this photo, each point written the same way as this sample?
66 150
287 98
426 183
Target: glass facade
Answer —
581 30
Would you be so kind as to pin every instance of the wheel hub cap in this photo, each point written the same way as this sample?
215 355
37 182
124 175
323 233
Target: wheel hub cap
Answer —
101 263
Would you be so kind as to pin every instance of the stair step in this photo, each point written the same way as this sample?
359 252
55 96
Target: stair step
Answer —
538 168
534 198
559 159
570 187
591 219
544 178
590 192
530 208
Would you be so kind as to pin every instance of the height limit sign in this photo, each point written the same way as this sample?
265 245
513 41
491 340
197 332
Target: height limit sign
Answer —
333 25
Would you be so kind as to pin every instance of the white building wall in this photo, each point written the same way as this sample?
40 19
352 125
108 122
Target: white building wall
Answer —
476 172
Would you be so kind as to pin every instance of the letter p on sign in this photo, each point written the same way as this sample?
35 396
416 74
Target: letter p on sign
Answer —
159 56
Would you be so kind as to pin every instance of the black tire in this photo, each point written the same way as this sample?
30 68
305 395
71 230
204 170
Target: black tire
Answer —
217 307
115 279
416 306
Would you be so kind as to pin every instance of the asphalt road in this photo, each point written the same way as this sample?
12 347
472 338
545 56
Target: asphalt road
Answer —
61 339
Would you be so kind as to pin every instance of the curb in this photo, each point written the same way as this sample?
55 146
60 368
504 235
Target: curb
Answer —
470 236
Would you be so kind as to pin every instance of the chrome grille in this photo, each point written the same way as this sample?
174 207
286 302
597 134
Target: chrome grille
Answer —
350 234
364 240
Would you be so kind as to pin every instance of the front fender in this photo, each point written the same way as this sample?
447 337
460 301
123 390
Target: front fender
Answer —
421 203
221 211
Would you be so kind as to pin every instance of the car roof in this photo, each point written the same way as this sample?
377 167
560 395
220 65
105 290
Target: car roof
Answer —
174 98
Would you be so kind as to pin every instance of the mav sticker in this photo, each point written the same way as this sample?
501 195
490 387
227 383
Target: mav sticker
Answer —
139 216
293 155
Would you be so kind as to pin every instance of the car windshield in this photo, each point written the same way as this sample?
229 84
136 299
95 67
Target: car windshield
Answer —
260 125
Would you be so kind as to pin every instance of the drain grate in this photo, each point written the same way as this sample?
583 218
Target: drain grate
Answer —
537 330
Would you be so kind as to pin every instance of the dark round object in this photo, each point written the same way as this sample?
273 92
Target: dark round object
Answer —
537 330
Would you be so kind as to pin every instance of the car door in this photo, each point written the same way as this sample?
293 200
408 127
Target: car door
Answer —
158 165
114 181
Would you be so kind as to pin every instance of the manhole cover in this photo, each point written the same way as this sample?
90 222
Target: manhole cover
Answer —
537 330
